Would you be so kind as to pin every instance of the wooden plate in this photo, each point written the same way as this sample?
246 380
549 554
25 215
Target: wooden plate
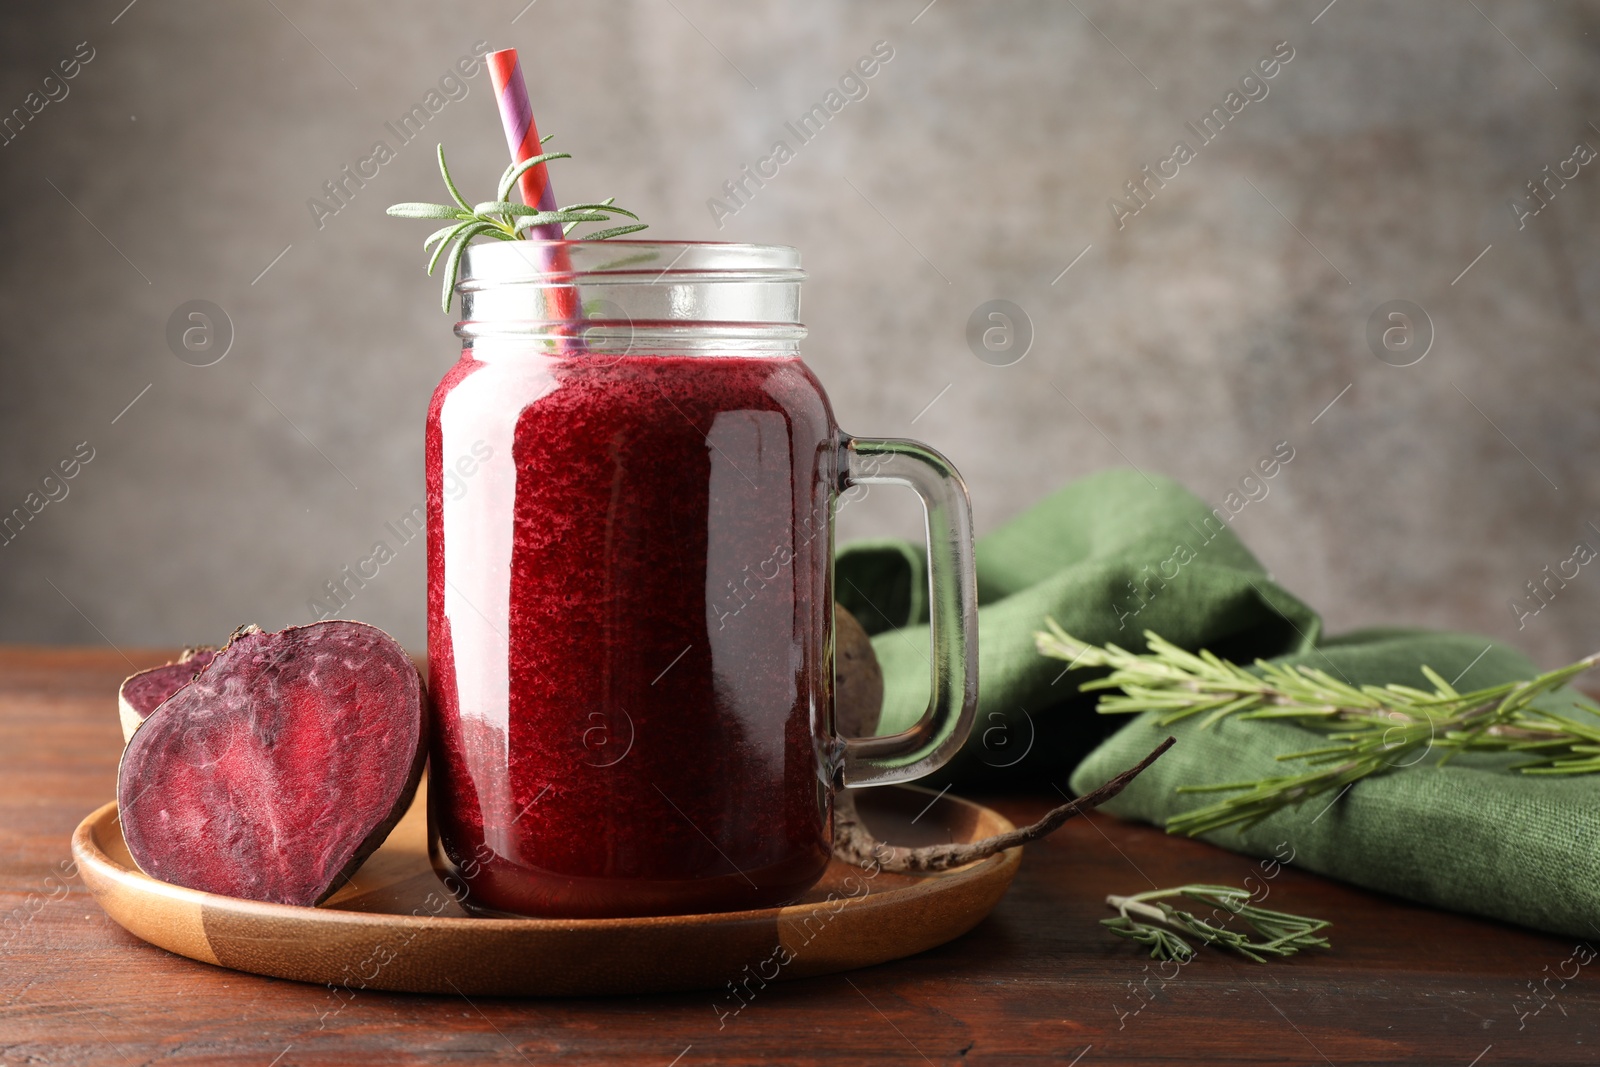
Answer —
396 927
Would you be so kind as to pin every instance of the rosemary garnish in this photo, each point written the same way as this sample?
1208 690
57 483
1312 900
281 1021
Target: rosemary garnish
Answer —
503 220
1369 729
1144 918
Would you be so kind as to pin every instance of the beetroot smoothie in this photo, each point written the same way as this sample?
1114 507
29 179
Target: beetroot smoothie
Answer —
629 606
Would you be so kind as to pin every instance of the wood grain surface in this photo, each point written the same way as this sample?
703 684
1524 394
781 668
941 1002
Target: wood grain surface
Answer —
1039 981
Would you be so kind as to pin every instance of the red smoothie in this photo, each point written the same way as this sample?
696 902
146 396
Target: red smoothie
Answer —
628 602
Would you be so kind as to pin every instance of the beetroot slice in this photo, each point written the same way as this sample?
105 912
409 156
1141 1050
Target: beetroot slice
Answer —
280 768
142 693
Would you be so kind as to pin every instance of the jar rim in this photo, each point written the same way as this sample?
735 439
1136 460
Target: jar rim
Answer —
543 263
672 294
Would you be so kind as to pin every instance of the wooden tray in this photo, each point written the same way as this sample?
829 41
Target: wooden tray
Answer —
395 927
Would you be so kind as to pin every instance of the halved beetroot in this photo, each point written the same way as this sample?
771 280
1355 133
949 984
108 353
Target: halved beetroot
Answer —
142 693
280 768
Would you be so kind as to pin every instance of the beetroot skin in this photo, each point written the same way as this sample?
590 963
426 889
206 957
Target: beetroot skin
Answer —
142 693
281 767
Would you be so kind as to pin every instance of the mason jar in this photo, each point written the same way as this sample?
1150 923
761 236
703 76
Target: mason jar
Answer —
631 480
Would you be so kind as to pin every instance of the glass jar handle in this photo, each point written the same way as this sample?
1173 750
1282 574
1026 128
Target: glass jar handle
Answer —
952 612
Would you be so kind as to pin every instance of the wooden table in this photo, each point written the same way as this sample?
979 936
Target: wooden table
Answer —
1038 981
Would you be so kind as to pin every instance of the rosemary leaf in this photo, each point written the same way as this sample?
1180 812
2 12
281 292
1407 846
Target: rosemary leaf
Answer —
453 263
604 205
455 193
449 237
615 231
506 207
425 211
509 179
439 235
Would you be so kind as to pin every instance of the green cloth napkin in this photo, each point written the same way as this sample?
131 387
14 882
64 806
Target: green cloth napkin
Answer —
1119 552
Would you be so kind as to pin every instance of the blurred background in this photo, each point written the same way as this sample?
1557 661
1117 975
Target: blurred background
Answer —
1190 332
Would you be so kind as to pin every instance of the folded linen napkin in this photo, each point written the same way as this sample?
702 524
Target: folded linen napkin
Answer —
1118 553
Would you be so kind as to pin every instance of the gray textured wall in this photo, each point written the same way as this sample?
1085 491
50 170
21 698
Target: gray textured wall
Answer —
1221 319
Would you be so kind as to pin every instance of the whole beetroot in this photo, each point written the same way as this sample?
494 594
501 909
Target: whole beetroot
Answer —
278 769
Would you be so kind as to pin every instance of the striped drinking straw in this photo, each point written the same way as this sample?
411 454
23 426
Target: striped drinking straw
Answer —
522 135
522 138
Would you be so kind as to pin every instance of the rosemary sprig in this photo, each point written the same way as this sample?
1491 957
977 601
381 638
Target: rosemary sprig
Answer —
1369 729
501 219
1145 918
